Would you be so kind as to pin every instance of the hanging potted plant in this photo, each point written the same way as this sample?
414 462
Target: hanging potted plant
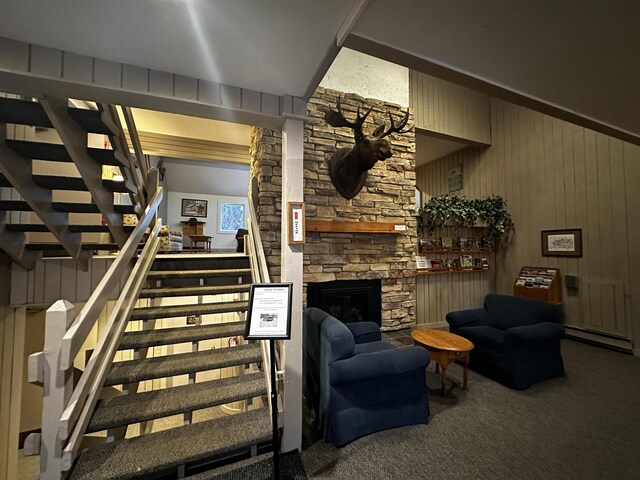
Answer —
458 211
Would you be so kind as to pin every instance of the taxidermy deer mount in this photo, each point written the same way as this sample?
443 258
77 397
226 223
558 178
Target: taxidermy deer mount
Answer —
348 167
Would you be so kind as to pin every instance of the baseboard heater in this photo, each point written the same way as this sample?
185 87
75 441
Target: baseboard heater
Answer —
608 340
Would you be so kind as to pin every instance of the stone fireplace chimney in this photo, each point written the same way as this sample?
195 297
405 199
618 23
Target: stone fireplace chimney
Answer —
388 196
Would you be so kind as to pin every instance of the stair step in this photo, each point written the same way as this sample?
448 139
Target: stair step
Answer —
132 371
14 206
193 291
38 227
189 333
141 407
58 153
23 112
56 182
55 152
50 246
89 120
142 457
69 207
4 182
164 274
170 311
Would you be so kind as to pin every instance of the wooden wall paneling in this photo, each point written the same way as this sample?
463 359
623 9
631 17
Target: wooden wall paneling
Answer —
77 68
106 72
46 61
68 274
52 281
620 235
631 156
6 352
16 391
19 280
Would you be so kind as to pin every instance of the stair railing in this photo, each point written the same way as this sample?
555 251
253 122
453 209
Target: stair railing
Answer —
67 409
260 274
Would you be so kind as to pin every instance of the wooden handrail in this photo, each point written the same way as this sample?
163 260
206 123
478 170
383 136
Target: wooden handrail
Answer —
76 417
84 322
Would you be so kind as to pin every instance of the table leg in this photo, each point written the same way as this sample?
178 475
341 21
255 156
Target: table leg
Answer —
444 378
437 367
466 367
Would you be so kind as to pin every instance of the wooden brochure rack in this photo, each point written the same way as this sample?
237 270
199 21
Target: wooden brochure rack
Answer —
539 283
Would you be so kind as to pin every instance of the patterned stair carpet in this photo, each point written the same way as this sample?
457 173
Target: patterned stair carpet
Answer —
259 468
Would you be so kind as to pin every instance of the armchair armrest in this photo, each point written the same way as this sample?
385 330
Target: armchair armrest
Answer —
465 318
538 333
368 366
365 332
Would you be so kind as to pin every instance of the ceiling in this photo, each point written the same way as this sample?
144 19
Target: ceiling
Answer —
571 58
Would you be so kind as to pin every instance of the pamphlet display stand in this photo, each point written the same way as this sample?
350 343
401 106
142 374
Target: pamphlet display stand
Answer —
539 283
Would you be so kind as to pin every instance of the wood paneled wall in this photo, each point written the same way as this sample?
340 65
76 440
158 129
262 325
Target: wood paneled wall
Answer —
448 109
53 279
557 175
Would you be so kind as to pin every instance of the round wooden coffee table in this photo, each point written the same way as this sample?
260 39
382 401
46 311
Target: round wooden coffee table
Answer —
444 348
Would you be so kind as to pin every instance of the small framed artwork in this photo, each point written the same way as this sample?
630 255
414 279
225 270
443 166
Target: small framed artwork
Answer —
562 243
194 208
269 313
231 217
296 222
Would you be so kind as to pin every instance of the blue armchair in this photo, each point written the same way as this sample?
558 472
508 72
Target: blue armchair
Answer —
517 340
357 383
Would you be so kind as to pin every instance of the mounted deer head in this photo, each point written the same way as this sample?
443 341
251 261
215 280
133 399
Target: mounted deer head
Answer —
348 167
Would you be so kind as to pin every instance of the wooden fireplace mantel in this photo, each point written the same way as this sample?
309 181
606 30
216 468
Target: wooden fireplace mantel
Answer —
331 226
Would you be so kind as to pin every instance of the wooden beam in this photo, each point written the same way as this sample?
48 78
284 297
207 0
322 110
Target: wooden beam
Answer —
330 226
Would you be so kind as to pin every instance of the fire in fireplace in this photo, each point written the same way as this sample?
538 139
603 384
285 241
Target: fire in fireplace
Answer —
348 300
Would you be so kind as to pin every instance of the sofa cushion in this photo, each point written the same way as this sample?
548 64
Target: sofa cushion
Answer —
505 311
485 336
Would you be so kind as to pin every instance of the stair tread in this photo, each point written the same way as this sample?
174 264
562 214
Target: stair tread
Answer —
39 227
169 311
143 456
141 407
159 274
71 207
189 333
89 120
190 291
166 366
23 112
85 246
58 182
58 153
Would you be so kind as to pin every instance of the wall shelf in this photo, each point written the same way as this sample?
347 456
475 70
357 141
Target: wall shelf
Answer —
440 271
458 250
330 226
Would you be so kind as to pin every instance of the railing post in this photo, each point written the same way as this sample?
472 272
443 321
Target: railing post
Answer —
58 386
152 187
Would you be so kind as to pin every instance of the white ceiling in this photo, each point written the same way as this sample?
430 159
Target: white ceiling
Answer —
579 56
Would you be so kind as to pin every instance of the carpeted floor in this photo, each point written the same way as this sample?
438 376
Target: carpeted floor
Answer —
584 426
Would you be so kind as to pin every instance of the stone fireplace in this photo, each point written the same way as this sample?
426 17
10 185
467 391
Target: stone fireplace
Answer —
348 300
388 196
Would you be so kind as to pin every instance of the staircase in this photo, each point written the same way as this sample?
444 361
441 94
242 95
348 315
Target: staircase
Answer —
191 286
53 198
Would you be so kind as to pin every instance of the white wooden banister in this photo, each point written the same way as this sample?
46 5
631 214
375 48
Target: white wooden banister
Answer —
100 361
81 327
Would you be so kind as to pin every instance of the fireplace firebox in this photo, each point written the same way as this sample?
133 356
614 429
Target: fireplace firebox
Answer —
348 300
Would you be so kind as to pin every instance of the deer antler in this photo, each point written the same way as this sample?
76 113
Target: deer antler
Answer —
336 118
393 128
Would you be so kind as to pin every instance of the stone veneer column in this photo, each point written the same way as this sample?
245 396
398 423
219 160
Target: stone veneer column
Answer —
388 196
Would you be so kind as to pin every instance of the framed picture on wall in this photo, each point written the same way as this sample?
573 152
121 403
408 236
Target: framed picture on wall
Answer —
194 208
562 243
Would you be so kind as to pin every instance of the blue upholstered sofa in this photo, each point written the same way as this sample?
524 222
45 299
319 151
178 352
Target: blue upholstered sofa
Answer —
517 340
357 383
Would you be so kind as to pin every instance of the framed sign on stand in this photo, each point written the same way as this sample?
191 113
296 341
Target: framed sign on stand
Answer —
269 318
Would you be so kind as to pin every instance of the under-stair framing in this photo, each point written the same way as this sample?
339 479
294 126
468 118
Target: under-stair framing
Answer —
38 192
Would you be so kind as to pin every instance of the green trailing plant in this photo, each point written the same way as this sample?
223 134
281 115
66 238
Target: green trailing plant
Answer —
462 212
